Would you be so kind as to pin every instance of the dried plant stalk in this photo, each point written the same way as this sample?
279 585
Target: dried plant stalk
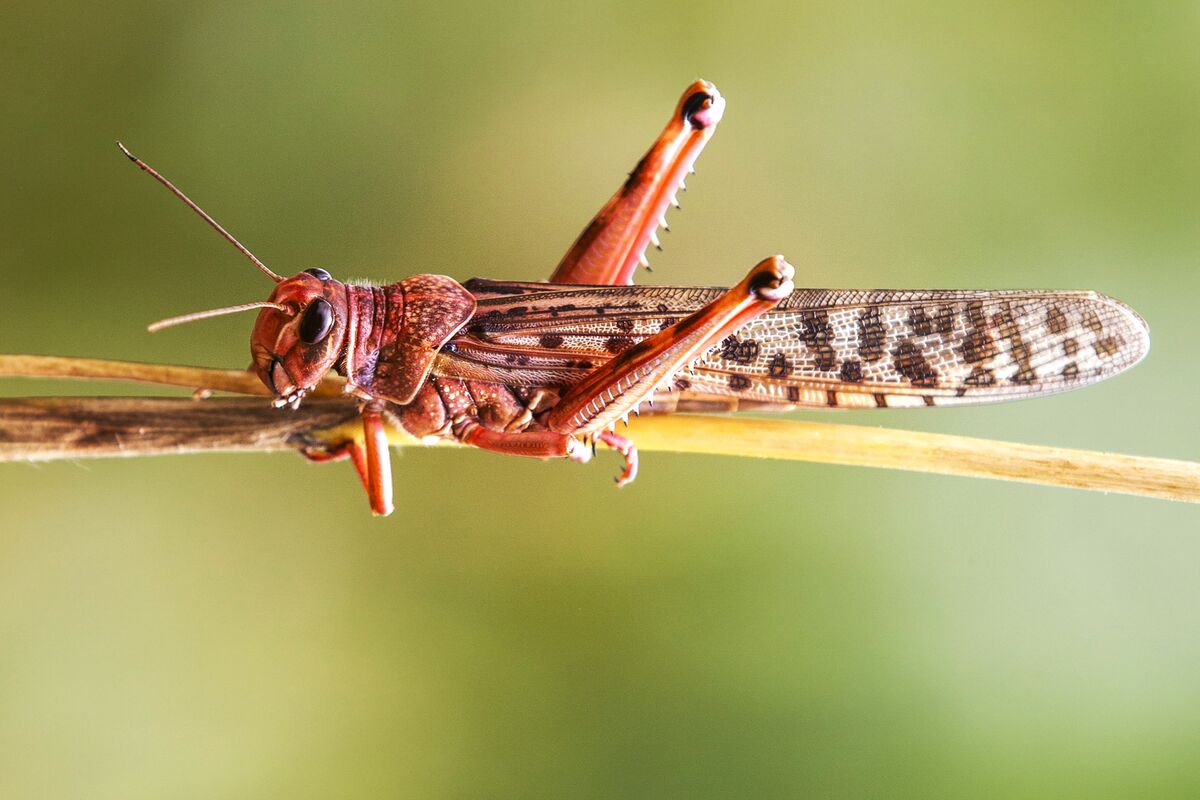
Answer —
224 380
48 428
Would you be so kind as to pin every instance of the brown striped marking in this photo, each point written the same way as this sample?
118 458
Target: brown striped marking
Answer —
1109 346
779 367
871 335
920 322
911 363
851 371
816 333
1056 320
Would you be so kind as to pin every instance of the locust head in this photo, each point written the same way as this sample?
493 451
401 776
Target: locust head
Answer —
298 336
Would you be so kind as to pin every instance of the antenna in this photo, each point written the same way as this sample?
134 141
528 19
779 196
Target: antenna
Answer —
215 312
187 201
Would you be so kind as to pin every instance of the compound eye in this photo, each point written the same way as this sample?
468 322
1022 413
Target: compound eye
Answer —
316 322
319 273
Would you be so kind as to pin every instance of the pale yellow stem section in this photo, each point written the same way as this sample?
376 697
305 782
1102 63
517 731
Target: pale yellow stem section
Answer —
857 445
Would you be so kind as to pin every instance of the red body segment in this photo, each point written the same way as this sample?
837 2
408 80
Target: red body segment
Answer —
394 333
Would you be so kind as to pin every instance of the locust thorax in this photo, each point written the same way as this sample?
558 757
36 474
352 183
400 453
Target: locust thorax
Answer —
299 339
398 331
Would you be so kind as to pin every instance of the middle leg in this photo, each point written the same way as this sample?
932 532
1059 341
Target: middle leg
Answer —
547 444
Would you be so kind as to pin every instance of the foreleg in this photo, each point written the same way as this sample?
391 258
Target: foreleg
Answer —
371 459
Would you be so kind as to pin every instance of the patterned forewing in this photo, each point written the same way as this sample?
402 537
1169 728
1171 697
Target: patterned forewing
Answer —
820 348
877 349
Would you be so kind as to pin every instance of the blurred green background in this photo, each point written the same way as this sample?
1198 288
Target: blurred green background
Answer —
239 626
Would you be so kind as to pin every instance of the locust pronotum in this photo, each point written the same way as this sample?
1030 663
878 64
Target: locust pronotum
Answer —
547 369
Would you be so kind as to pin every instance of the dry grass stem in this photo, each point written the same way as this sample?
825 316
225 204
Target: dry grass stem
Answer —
51 428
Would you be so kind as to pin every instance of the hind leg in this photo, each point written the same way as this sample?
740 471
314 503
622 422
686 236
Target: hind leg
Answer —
612 391
614 243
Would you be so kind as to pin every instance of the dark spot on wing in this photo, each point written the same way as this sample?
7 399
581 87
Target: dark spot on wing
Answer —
817 334
1056 320
739 352
911 363
921 324
871 335
852 371
779 366
493 287
975 314
980 376
1109 346
978 346
615 344
1008 330
945 320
